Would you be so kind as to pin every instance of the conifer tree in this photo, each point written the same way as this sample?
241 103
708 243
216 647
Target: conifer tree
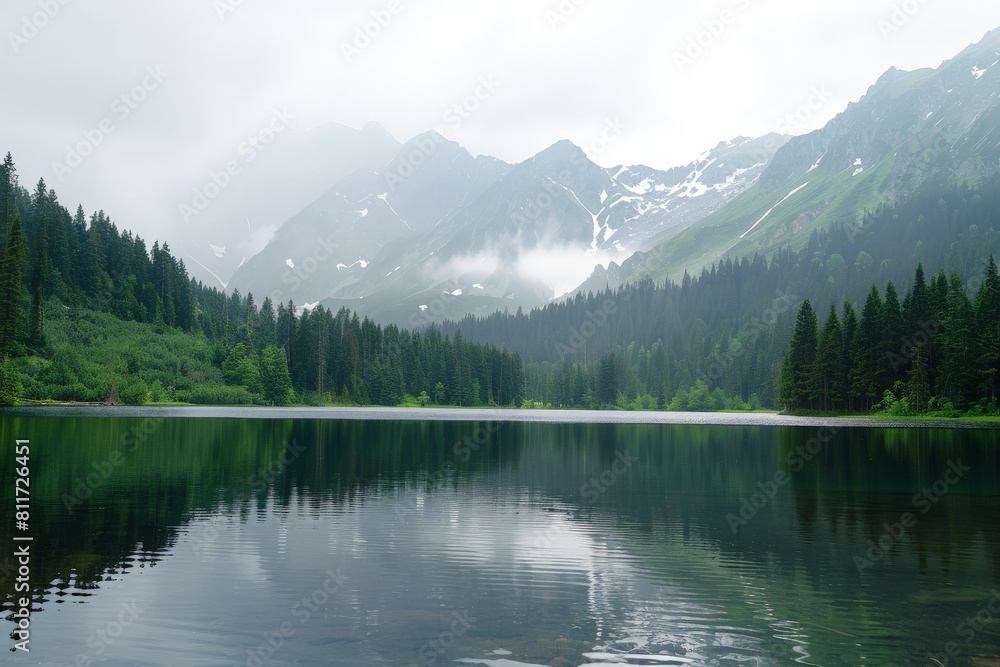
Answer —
8 193
867 348
795 385
11 309
608 379
828 370
892 365
274 376
40 265
918 387
959 347
988 325
849 328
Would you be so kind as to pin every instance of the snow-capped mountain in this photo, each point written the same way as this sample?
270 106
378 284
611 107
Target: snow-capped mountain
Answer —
329 247
437 233
910 128
672 200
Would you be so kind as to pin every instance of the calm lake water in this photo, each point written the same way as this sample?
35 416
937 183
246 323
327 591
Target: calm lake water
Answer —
246 541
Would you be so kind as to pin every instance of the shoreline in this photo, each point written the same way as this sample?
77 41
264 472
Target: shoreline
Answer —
495 414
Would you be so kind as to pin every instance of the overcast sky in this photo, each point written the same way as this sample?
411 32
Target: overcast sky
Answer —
675 77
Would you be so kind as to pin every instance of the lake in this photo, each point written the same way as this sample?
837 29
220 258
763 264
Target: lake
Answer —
266 537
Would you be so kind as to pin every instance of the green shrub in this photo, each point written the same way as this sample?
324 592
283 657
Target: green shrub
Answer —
10 384
132 391
217 395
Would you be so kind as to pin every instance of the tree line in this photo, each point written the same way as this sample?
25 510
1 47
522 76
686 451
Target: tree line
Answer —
57 265
936 351
717 340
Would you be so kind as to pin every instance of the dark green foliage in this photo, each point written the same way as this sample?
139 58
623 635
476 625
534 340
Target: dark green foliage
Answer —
40 265
11 289
81 270
217 395
8 196
798 386
849 331
277 384
988 327
948 361
958 348
827 383
717 338
608 379
730 325
890 366
867 348
10 385
918 389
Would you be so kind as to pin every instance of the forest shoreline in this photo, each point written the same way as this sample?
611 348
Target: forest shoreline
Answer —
458 414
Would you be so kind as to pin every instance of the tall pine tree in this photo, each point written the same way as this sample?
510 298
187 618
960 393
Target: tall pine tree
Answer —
867 348
988 326
795 385
828 370
11 309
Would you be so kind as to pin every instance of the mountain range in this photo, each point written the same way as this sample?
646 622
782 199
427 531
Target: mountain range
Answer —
434 233
909 130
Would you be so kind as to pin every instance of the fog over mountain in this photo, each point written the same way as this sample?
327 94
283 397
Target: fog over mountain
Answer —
909 131
435 232
247 113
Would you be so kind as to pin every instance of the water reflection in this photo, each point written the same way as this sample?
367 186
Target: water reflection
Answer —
287 542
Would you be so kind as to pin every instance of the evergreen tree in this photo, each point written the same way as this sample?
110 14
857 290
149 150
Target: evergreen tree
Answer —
849 329
267 328
8 193
40 265
797 369
892 365
917 314
91 262
11 290
988 325
10 386
959 347
274 376
828 370
866 356
608 379
918 387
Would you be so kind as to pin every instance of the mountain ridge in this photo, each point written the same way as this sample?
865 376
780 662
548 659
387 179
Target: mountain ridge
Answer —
908 129
436 223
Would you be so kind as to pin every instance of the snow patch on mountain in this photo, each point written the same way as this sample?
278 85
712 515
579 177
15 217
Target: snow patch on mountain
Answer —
385 197
642 188
763 217
361 262
815 164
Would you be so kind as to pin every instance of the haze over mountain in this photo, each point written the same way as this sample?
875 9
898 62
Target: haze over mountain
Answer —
437 233
225 67
228 217
910 129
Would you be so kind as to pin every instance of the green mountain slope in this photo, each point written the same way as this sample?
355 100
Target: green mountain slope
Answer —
910 129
